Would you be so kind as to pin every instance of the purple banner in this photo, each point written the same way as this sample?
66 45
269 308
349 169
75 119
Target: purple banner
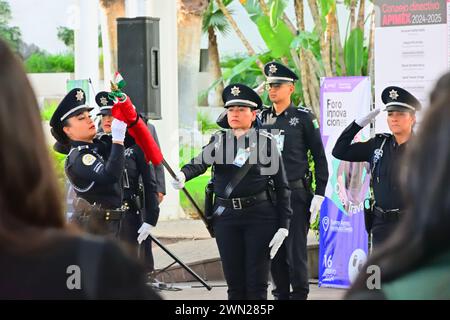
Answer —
343 240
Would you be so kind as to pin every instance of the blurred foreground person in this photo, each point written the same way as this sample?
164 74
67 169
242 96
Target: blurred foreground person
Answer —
39 257
415 262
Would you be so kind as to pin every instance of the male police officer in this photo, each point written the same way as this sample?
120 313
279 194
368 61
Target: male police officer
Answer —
384 153
95 179
297 132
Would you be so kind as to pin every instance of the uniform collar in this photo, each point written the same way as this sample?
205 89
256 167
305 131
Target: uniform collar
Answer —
285 113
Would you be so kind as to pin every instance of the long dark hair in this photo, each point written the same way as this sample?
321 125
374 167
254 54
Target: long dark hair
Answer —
29 195
424 230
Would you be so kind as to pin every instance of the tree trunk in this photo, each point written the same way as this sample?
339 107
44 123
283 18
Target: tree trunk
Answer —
337 41
189 23
324 47
113 9
214 65
352 14
239 33
360 23
370 63
302 66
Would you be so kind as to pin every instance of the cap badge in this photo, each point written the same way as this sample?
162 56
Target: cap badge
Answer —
393 94
235 91
103 101
79 95
272 68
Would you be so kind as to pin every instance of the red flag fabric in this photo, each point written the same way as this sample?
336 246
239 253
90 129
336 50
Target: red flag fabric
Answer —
124 110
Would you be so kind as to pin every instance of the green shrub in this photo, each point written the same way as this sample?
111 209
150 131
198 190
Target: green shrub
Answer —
48 110
43 62
206 124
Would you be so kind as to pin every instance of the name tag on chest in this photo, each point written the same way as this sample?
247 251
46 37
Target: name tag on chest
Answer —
241 157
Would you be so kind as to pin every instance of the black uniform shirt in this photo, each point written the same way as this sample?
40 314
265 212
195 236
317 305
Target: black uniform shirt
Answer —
386 171
95 170
136 167
301 133
254 181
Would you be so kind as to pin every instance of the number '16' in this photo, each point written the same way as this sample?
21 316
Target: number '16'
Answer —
328 261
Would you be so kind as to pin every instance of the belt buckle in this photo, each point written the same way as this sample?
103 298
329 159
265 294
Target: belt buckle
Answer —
236 203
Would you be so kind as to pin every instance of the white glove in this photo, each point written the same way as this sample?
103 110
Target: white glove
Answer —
364 121
316 203
118 130
178 183
260 88
144 232
277 241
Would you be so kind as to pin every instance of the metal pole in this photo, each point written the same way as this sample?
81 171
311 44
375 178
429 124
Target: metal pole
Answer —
196 276
200 211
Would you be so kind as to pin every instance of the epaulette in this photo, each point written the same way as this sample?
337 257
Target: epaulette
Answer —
304 109
220 132
383 135
266 134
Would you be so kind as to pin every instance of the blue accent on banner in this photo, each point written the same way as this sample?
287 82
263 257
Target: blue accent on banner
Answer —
343 246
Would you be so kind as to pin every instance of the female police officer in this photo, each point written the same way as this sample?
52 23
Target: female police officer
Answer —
384 153
139 187
93 167
245 165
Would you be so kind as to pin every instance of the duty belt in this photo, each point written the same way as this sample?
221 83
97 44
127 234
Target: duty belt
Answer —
297 184
243 202
391 214
84 209
103 214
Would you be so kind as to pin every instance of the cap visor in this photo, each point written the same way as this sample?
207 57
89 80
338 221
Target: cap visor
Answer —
398 108
278 81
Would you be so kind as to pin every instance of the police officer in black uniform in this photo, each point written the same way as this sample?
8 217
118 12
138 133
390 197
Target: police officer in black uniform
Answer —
93 167
384 153
139 186
248 174
297 132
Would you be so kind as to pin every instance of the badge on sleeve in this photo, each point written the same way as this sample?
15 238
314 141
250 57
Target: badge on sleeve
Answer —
315 124
241 157
88 159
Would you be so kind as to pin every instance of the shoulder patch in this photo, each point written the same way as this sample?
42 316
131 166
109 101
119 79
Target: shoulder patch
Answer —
88 159
315 123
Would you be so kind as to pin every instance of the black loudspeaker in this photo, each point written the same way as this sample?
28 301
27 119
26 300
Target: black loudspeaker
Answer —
138 62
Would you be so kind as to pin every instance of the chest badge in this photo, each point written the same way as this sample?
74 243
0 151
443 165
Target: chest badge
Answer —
88 159
294 121
128 152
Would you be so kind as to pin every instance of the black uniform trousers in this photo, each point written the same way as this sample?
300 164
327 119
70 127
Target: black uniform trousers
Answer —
290 264
130 224
243 238
381 230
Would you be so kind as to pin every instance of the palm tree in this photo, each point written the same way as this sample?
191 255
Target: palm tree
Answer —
113 9
214 21
189 16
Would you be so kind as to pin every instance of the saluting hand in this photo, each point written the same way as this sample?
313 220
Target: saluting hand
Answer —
364 121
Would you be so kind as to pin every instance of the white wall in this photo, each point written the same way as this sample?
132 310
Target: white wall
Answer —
167 128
